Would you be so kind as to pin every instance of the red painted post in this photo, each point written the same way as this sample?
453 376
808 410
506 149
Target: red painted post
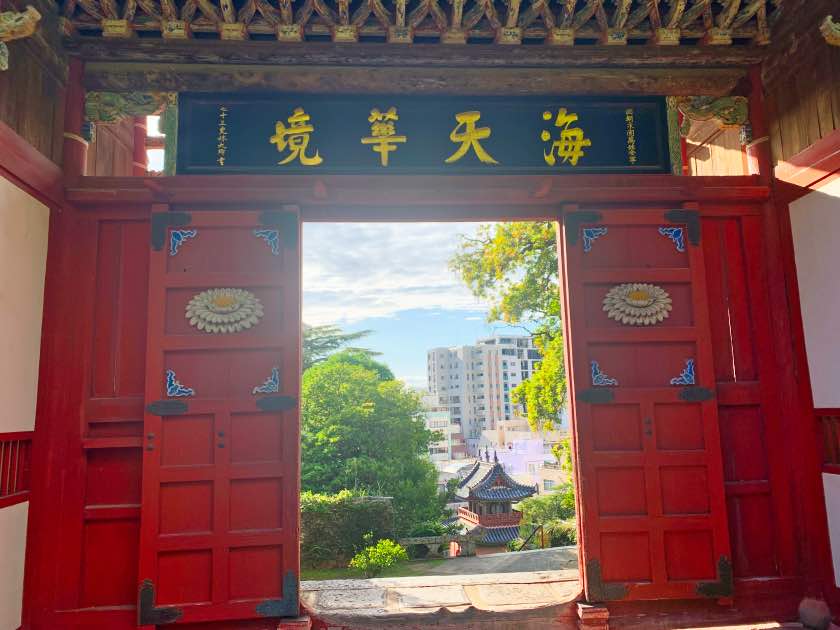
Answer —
74 154
139 159
759 160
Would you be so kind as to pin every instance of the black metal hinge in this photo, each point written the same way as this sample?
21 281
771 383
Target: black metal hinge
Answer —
696 394
277 403
691 218
573 220
724 586
161 221
597 589
167 408
148 614
596 395
289 606
286 224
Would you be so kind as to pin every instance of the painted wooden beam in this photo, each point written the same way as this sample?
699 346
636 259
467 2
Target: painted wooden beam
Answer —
172 77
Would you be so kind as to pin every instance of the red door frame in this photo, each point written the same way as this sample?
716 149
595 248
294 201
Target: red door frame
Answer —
334 198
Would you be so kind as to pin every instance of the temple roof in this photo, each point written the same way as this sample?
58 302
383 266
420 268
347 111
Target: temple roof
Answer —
496 535
488 481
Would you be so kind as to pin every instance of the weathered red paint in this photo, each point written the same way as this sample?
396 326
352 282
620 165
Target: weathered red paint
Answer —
219 527
82 561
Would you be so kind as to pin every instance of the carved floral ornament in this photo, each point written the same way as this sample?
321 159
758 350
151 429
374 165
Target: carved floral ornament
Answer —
637 304
224 310
15 25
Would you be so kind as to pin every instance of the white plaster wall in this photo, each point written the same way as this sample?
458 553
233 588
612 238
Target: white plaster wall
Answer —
23 249
815 219
13 544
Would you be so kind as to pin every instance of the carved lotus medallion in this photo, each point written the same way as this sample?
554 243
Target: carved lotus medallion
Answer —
637 304
224 310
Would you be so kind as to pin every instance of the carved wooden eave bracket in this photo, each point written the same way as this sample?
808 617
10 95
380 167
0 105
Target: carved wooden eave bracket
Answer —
16 25
830 30
111 107
446 22
728 112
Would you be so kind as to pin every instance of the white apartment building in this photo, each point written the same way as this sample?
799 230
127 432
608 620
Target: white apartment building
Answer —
438 418
475 382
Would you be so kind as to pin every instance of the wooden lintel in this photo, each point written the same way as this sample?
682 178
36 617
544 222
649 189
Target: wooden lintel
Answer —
108 76
155 51
407 198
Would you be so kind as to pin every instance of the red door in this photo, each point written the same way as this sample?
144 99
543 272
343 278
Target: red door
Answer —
219 518
650 478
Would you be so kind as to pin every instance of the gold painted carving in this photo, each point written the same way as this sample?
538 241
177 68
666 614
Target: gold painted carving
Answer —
637 304
830 30
16 25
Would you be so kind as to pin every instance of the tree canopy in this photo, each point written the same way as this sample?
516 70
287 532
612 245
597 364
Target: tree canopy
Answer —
360 431
319 342
362 358
514 266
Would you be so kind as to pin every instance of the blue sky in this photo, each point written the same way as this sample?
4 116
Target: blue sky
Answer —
392 278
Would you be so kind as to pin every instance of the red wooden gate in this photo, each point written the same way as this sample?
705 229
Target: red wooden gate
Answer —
650 479
219 515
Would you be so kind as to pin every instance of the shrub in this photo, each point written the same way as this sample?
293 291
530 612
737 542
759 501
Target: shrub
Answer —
334 526
374 559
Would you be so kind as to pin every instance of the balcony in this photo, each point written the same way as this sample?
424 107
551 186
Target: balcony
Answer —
490 520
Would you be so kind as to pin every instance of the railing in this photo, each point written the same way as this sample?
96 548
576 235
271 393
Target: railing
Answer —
15 466
829 421
490 520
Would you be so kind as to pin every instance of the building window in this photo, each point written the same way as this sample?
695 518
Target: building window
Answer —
548 484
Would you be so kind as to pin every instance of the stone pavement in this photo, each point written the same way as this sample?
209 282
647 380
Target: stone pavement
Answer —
535 600
553 559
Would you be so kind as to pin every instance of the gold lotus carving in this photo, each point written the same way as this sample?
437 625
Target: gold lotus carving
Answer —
224 310
637 304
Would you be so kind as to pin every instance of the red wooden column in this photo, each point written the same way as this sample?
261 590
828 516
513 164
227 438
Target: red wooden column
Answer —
74 154
759 160
139 159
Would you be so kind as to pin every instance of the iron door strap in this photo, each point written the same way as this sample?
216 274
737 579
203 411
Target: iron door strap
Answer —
596 395
696 394
277 403
167 408
573 221
161 221
285 222
288 606
691 219
148 614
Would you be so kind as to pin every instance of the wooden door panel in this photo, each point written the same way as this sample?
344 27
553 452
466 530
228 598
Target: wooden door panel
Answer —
219 514
650 481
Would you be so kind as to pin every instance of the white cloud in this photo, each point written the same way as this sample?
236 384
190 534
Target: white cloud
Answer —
473 318
353 271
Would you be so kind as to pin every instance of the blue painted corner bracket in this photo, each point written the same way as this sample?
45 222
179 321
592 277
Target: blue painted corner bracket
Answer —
174 388
599 378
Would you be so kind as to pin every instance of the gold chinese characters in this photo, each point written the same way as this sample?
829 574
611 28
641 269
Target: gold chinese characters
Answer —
383 133
571 143
296 139
470 138
568 141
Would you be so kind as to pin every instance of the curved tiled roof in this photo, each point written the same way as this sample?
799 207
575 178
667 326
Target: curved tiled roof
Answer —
496 535
488 481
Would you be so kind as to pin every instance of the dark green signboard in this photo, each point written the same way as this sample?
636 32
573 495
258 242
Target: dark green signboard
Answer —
381 134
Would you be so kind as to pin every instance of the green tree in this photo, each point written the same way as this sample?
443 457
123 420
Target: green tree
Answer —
544 393
319 342
514 266
360 432
555 512
362 358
